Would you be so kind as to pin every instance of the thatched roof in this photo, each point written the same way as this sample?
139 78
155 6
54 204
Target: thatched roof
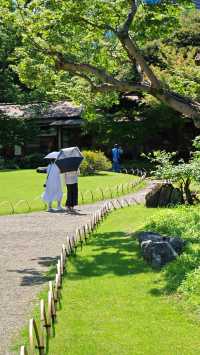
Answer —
70 122
44 110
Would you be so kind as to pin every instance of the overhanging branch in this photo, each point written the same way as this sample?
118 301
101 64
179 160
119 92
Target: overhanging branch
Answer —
101 74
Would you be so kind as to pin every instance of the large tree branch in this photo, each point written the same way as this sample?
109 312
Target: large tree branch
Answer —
109 83
128 22
101 74
179 103
135 55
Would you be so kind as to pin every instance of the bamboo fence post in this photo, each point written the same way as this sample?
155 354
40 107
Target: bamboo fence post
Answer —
119 203
57 288
33 329
70 245
110 206
96 218
117 190
80 233
59 267
8 203
91 226
102 193
82 197
29 207
113 205
51 307
99 217
64 251
85 230
127 201
23 350
91 192
44 326
85 194
52 290
43 318
134 183
98 194
62 265
74 244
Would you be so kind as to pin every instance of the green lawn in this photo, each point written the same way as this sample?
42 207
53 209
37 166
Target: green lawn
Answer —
111 303
28 185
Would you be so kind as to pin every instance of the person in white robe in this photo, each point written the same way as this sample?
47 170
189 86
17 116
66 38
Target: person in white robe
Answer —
53 187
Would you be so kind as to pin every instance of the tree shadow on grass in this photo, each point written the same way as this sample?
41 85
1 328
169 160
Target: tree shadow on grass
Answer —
112 253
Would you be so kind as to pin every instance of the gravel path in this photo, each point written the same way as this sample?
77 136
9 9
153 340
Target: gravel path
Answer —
30 243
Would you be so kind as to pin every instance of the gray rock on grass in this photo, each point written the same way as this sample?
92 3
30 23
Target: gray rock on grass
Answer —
158 250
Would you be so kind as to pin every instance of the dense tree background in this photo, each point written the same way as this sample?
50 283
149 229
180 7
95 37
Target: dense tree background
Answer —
149 124
42 40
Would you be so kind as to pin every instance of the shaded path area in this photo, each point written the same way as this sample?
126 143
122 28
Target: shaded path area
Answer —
29 244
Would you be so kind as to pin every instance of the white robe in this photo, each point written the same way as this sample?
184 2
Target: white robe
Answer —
53 190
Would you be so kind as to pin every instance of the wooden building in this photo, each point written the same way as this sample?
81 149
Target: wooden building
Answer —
60 124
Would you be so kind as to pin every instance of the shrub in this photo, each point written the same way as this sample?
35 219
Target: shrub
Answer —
94 161
190 287
9 164
183 274
181 221
31 161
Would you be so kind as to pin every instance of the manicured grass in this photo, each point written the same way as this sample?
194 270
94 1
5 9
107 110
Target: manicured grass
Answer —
111 302
182 276
28 185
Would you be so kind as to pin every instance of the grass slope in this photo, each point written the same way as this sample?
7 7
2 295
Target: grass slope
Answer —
28 185
110 302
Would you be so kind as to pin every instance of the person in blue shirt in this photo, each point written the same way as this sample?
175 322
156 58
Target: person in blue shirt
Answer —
116 155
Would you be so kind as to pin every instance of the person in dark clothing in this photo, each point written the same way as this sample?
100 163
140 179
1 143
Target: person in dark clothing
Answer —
71 179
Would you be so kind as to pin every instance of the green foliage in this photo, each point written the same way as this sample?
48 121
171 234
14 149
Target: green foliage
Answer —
93 162
17 131
183 274
173 59
181 221
181 173
190 286
32 32
158 21
80 32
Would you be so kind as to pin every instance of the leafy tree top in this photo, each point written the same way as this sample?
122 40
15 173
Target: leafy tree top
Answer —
89 49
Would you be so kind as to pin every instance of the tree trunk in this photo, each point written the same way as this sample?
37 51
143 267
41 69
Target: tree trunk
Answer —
187 191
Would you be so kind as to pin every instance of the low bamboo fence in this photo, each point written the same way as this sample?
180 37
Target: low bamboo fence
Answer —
88 196
41 331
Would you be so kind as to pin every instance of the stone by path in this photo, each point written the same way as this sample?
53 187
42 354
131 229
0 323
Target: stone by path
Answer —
29 244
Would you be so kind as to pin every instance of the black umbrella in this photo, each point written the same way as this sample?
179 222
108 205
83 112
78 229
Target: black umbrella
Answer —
69 159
